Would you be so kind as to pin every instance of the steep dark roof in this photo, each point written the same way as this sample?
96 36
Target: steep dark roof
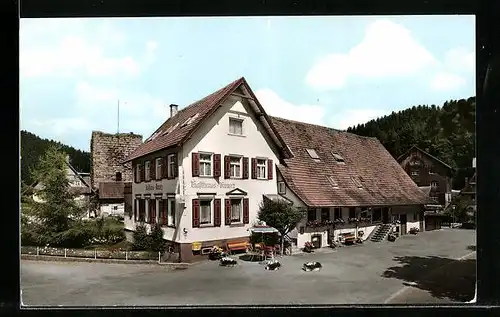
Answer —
414 147
383 180
111 190
173 133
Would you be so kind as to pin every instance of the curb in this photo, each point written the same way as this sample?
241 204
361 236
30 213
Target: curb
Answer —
89 260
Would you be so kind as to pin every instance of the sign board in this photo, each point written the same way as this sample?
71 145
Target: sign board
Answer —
201 184
154 187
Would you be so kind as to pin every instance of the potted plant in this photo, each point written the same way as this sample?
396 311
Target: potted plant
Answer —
311 266
308 247
227 261
414 230
273 265
391 237
216 253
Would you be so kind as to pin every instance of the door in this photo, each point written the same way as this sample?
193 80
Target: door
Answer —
385 215
402 219
316 241
421 222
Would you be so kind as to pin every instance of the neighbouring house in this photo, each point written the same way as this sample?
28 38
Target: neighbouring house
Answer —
79 185
203 173
108 175
469 190
336 177
433 176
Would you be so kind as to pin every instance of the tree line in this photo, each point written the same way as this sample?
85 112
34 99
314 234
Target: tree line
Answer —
446 132
34 147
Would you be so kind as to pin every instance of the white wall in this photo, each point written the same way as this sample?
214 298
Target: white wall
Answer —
213 136
108 209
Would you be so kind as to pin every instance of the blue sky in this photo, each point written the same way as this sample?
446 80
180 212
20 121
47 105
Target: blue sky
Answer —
333 71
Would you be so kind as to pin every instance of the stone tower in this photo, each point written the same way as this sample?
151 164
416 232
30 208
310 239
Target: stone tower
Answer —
107 152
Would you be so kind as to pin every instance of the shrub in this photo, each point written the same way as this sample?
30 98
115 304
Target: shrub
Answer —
141 238
158 244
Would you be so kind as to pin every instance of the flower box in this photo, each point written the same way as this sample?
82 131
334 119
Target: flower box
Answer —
311 266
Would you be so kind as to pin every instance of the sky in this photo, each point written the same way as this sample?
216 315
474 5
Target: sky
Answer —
333 71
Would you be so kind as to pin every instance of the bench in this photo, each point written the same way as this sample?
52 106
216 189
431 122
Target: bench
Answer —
348 238
237 246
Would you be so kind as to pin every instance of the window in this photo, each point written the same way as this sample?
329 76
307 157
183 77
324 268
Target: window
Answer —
147 171
281 188
235 167
205 164
312 153
235 126
152 211
337 213
236 210
115 207
414 163
158 167
414 173
434 197
357 182
352 212
434 184
338 158
205 212
261 169
77 183
325 214
171 165
138 172
171 213
311 214
377 214
333 182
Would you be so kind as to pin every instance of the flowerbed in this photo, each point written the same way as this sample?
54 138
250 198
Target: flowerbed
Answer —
51 251
80 253
28 250
142 255
117 254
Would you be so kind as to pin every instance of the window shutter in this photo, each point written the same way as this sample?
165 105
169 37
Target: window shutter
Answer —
176 166
246 215
134 171
196 213
227 208
216 167
254 168
195 164
227 167
164 167
152 169
245 167
143 172
164 207
270 169
153 211
217 213
135 209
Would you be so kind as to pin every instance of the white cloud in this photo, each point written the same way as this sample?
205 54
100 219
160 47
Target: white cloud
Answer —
387 50
73 49
349 118
447 81
62 126
277 106
139 112
460 60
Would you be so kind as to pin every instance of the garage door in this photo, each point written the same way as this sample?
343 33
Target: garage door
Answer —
430 224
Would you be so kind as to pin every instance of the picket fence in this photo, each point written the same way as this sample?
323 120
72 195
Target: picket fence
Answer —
98 254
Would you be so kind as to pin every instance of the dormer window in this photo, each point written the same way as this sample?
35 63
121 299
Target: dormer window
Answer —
356 181
333 182
189 120
339 159
312 153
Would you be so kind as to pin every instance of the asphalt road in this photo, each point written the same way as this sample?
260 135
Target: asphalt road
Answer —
372 273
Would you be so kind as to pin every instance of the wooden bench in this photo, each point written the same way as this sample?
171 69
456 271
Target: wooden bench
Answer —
349 238
237 246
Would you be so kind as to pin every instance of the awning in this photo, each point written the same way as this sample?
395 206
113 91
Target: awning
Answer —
263 229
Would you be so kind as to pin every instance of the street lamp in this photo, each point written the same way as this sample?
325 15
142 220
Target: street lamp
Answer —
453 216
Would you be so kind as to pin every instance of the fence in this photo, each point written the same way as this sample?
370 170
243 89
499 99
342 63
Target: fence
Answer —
99 254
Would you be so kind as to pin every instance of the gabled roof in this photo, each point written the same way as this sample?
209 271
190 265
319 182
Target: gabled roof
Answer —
366 162
111 190
414 147
174 132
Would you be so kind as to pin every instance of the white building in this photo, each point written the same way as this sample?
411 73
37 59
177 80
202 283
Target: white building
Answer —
204 172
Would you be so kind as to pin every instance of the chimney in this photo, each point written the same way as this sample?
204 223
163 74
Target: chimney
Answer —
173 110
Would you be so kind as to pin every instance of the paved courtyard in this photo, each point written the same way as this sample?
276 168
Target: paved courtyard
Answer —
372 273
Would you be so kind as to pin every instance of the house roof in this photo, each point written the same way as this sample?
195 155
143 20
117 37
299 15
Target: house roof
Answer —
365 162
414 147
173 132
111 190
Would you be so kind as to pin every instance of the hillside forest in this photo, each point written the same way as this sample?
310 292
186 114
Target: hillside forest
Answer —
446 132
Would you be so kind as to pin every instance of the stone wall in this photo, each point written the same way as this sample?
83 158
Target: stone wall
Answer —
107 153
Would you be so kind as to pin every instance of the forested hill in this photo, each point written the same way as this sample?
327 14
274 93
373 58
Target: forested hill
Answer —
447 132
32 147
